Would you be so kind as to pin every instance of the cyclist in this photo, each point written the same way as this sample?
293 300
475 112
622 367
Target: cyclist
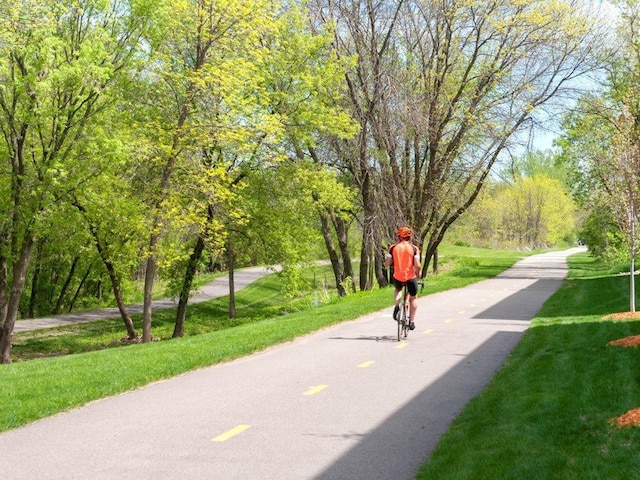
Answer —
405 258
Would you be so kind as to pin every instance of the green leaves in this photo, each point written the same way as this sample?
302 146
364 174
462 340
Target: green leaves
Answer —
61 62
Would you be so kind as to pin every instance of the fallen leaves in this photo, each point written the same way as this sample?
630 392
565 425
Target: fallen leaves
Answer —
632 341
629 419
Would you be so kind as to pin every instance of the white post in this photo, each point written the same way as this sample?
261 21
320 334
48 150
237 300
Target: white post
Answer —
632 247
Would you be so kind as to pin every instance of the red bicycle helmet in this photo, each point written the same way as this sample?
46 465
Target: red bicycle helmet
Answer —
405 233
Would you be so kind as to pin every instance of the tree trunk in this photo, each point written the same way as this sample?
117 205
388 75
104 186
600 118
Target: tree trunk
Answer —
632 268
435 261
75 295
3 291
232 282
117 293
378 254
19 275
381 276
111 270
192 265
65 287
341 231
429 253
333 255
368 229
364 265
149 276
34 282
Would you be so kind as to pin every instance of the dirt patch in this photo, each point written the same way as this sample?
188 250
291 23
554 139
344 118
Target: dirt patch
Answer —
629 419
632 341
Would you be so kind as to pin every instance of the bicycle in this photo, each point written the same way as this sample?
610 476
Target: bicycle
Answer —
403 322
403 314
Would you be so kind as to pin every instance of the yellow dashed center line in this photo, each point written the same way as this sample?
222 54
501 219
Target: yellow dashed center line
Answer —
231 433
366 364
448 320
314 390
428 330
462 312
403 345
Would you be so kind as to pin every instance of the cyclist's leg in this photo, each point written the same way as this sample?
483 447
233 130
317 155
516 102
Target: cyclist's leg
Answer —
413 307
412 288
397 297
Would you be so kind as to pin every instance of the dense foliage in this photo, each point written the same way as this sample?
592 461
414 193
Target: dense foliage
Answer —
153 140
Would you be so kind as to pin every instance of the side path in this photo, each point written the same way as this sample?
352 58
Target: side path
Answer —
346 402
217 288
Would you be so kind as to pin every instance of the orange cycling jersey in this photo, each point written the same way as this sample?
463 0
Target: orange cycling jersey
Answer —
403 255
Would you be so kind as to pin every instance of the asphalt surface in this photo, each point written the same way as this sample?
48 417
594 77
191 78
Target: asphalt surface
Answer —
347 402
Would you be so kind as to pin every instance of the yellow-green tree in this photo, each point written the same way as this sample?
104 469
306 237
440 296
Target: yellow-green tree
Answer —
236 87
190 88
534 212
60 62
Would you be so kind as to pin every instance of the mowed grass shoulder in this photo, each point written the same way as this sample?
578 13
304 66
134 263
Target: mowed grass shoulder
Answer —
61 368
548 412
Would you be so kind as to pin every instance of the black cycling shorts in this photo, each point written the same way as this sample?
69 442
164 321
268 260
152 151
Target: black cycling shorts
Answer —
412 286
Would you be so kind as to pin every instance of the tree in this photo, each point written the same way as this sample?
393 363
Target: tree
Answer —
198 56
621 178
440 90
306 88
530 212
535 212
608 131
252 84
58 62
283 205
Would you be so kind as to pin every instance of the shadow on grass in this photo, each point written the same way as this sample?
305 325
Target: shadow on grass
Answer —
587 297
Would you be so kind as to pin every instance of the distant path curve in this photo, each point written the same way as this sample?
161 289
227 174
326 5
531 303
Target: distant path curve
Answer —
216 289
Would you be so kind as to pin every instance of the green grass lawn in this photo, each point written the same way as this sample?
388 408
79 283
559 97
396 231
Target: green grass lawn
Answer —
547 413
61 368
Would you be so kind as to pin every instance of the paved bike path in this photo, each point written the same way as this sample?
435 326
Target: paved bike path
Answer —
347 402
218 288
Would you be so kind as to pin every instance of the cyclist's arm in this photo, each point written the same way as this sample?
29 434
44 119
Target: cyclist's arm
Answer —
416 262
388 260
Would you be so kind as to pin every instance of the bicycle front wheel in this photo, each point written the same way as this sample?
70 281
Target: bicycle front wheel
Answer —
403 323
